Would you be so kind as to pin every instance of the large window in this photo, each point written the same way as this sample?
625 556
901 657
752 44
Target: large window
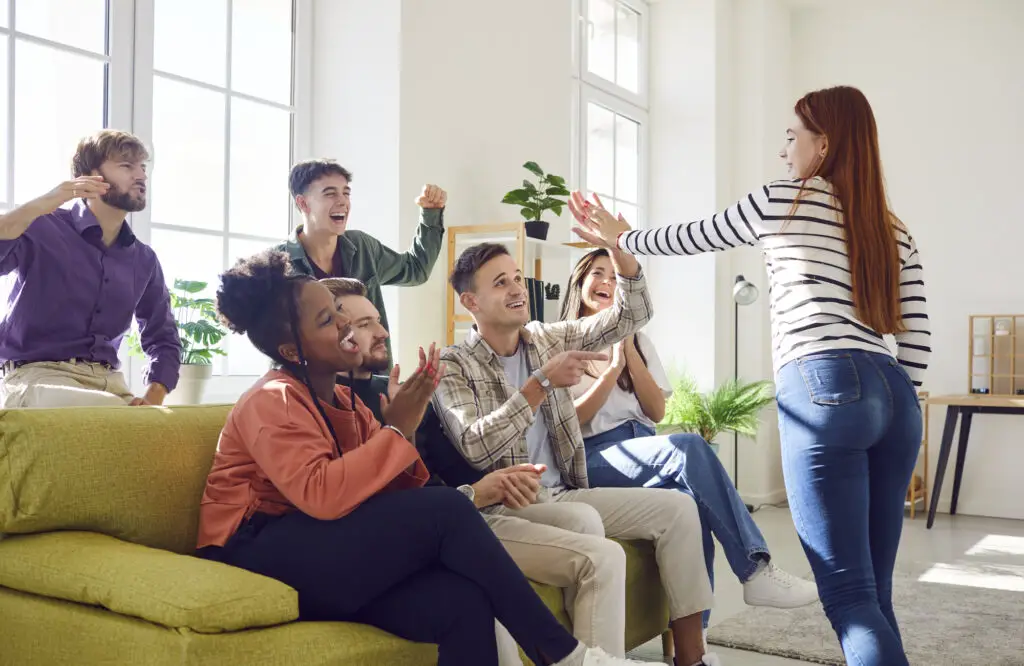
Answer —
216 97
611 81
219 89
54 67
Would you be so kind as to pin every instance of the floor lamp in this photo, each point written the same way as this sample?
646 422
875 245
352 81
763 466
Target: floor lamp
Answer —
743 293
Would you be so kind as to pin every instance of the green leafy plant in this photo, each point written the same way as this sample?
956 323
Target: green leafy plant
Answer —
533 200
732 407
198 326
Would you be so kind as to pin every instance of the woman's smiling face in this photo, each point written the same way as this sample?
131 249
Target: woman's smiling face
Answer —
599 286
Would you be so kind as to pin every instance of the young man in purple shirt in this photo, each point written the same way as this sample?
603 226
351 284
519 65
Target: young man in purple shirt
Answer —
74 278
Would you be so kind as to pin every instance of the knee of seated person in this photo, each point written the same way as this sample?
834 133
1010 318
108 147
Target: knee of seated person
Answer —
691 444
582 519
679 507
447 500
607 555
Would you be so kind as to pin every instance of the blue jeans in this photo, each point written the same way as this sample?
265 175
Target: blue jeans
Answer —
850 425
632 456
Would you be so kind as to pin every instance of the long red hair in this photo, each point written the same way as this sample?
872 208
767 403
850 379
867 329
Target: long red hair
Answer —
854 168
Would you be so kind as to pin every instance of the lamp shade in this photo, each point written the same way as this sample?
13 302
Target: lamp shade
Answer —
744 292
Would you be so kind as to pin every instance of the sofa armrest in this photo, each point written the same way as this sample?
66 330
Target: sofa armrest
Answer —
176 591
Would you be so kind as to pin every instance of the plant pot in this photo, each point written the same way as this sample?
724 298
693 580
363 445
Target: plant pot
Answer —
537 229
191 384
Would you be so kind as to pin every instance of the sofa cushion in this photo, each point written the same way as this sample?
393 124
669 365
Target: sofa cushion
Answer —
39 631
136 473
176 591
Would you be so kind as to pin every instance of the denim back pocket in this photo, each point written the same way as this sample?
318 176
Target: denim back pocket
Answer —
831 379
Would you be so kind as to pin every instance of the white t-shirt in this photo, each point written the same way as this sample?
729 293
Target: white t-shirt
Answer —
621 405
538 444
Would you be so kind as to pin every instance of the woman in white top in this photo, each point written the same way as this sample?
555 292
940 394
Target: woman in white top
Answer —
618 403
844 272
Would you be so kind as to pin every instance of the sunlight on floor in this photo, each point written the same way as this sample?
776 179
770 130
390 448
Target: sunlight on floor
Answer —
998 544
989 576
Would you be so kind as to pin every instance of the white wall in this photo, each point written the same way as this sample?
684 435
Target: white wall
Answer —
356 102
459 93
946 80
485 88
761 104
716 70
685 175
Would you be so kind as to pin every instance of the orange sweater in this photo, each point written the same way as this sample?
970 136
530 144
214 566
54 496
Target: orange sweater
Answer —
276 455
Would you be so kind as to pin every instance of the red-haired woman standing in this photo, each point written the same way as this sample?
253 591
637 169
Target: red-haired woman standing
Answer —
844 272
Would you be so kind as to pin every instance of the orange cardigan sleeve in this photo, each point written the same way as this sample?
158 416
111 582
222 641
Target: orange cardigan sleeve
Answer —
300 461
412 477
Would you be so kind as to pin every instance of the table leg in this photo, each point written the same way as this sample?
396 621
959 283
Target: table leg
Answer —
961 456
952 412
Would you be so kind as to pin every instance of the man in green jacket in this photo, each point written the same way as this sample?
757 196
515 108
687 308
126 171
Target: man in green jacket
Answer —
322 247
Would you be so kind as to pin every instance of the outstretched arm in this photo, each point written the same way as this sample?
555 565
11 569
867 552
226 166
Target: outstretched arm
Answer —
743 223
413 267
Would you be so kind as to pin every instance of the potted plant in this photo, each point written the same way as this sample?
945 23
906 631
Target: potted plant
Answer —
533 200
732 407
201 333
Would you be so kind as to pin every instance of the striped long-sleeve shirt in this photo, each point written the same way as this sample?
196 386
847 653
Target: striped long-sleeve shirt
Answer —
808 267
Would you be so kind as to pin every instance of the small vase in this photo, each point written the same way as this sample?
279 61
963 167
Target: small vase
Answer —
191 384
537 229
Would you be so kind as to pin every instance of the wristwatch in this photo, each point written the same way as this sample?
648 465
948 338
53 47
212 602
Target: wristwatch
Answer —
544 382
468 491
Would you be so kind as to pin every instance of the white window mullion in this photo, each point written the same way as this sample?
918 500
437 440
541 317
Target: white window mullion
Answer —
302 90
11 136
131 32
120 72
227 142
142 100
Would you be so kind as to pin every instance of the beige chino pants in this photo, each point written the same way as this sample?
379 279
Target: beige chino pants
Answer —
63 384
668 518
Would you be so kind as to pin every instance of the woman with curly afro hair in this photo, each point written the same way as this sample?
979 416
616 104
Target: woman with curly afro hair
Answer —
309 489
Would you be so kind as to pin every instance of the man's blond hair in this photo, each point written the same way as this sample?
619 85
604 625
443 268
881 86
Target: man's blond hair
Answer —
344 286
105 145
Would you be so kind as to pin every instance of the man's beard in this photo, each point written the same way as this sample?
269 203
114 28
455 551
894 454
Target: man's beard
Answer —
123 200
374 364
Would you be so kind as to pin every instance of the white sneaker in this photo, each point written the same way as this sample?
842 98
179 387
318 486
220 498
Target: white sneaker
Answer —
598 657
775 588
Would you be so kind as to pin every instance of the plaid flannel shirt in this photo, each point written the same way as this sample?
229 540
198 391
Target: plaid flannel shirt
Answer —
486 418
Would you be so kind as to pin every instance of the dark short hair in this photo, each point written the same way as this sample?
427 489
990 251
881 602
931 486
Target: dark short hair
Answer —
305 173
470 261
105 145
340 286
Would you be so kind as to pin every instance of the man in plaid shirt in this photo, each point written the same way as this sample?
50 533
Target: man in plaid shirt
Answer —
507 369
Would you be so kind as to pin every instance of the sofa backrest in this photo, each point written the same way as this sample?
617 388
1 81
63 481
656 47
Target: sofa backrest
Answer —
135 473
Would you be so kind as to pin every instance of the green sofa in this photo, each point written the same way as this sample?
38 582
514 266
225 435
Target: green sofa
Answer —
98 512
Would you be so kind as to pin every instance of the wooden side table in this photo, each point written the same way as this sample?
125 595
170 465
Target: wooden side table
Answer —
963 407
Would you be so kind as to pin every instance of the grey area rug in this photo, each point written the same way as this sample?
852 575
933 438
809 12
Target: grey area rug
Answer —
941 624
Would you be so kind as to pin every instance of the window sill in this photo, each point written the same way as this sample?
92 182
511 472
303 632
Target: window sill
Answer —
227 389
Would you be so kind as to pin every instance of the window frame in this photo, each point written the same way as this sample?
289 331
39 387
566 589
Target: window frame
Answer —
136 51
117 102
590 88
582 51
588 96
